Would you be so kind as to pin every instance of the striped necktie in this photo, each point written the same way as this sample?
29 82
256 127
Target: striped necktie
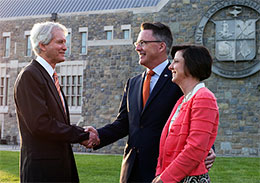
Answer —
57 84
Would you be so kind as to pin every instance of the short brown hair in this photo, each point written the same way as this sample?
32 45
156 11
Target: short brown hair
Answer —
161 32
198 61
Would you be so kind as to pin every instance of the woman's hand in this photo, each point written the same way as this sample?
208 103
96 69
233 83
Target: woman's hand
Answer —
210 159
157 179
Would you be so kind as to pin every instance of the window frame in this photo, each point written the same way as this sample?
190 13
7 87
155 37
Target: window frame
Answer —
126 28
81 31
4 89
72 90
27 35
7 48
68 43
108 30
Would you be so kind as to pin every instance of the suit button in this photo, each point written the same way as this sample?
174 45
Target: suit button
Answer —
141 126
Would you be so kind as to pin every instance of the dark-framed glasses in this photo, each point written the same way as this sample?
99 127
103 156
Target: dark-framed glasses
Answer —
142 43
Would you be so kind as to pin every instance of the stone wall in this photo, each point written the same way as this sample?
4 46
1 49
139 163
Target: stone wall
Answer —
108 67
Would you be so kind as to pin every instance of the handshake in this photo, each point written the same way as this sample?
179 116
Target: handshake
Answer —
93 137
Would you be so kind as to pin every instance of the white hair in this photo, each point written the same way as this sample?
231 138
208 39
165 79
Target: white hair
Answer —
42 33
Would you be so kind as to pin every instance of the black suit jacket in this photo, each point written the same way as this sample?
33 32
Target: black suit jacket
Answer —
143 126
46 154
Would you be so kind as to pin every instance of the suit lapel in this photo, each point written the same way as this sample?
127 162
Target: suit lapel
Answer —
66 106
140 92
52 87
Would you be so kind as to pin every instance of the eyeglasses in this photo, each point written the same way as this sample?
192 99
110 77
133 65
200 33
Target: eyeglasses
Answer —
143 43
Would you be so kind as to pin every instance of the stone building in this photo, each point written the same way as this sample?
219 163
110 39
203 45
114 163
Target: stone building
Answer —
101 57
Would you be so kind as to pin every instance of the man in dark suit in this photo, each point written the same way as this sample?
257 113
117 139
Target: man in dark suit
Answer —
42 112
143 121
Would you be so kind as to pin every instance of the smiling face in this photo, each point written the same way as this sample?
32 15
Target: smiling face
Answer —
177 68
54 52
150 52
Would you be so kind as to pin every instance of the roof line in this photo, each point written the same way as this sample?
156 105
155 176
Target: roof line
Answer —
150 9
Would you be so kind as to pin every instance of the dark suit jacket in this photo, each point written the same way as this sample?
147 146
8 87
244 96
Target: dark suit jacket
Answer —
143 126
46 154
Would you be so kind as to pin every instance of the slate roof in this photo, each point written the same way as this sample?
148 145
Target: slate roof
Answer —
21 8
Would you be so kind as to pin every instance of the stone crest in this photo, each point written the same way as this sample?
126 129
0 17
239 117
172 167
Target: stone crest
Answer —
230 34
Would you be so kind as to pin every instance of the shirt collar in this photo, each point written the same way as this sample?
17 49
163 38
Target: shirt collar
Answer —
45 65
159 68
193 91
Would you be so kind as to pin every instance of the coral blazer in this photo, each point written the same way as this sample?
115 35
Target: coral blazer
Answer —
185 146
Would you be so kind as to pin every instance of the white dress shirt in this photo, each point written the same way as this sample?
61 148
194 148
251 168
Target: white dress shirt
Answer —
48 68
45 65
158 71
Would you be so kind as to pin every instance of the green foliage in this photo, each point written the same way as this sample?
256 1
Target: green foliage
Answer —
106 168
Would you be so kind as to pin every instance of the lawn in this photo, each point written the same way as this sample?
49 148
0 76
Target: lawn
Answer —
106 168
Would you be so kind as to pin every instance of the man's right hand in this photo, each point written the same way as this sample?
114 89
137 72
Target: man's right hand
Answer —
93 137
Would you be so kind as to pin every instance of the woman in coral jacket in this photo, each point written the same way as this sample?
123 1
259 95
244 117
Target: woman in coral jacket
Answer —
192 126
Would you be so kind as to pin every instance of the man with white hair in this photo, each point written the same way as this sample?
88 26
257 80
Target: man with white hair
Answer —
42 112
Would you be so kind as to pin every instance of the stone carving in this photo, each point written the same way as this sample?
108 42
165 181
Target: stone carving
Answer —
234 43
235 40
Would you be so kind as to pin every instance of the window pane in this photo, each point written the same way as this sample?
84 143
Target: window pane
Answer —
3 91
68 80
28 46
2 82
75 90
78 101
109 35
73 101
6 91
72 91
79 90
126 34
83 42
68 90
79 80
68 38
63 80
74 82
68 100
7 46
83 50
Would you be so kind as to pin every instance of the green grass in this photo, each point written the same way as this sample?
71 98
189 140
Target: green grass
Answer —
98 168
106 168
235 169
91 168
9 170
